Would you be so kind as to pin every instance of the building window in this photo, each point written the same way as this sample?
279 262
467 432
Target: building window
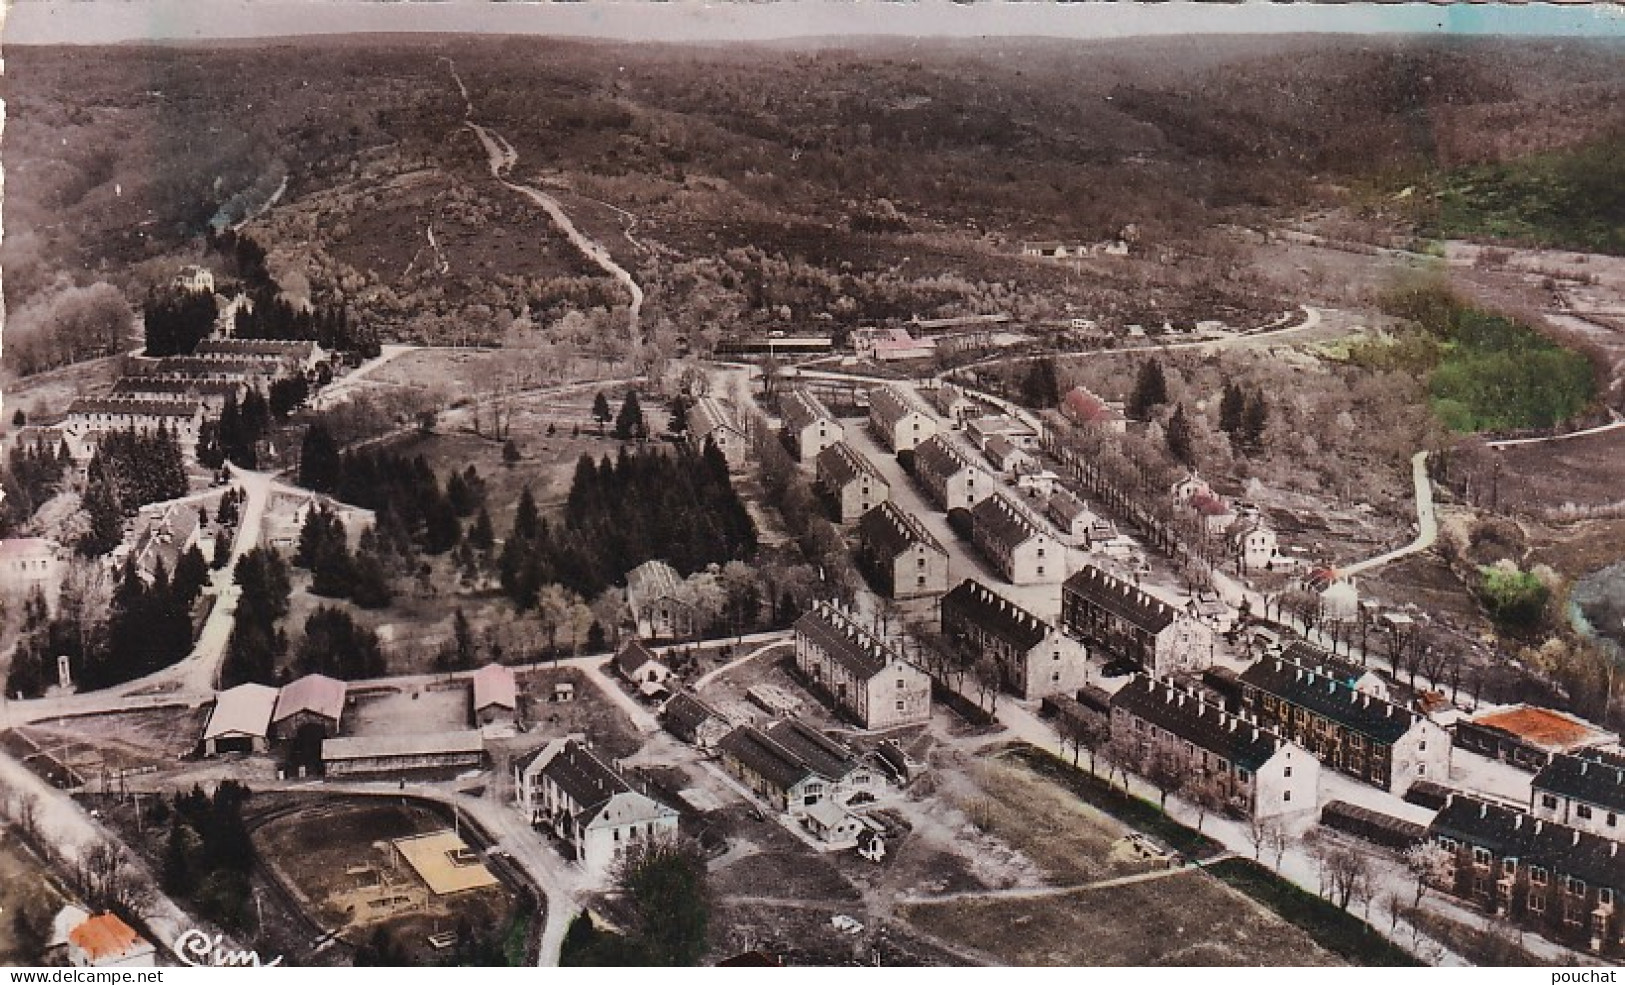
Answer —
1286 796
1040 552
1481 857
1537 904
1605 897
1582 811
1055 677
1577 887
899 706
1613 819
1537 875
1287 772
899 684
1040 570
1509 866
1548 801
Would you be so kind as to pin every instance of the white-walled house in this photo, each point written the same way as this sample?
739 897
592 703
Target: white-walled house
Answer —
947 474
1019 547
1255 769
900 419
849 482
1585 791
1035 659
808 423
864 676
588 804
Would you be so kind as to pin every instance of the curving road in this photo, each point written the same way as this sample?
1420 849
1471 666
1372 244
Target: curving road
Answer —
1427 523
501 159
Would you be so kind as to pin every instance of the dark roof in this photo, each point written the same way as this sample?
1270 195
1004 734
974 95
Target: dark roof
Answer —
708 417
633 655
800 408
1000 448
1363 822
894 402
994 614
193 366
1120 598
1002 520
1094 698
1593 776
256 347
842 463
136 407
827 758
144 386
583 777
1510 833
1312 656
769 760
937 456
1330 697
1189 716
1065 504
685 713
847 643
888 530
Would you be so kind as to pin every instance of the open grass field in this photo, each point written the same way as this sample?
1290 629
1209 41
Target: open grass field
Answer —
46 396
1578 473
590 711
336 858
1185 919
25 884
1070 840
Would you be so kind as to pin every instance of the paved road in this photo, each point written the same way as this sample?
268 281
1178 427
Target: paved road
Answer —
1427 523
1614 425
199 672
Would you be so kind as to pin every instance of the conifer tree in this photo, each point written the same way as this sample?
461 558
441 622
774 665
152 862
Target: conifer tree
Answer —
629 422
1150 390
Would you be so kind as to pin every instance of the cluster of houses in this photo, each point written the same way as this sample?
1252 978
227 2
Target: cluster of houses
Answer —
175 393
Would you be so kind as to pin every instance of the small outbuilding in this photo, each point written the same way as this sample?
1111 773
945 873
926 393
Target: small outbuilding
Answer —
240 720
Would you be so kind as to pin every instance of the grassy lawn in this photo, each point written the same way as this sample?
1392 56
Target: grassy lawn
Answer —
1335 929
1182 920
1572 199
1073 841
1139 814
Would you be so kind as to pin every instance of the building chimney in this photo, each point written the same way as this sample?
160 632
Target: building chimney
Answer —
1483 810
1538 825
1517 822
1583 765
1576 838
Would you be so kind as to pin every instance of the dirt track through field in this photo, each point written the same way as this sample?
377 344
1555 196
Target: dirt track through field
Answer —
502 157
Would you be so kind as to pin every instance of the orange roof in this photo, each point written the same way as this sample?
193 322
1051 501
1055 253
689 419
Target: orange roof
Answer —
1543 727
104 936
